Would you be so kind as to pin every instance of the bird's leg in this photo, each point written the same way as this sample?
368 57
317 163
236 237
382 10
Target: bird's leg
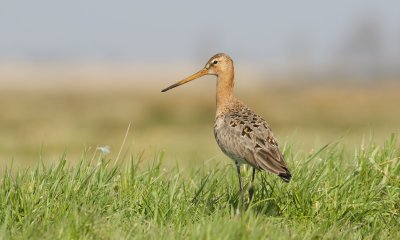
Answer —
240 181
251 189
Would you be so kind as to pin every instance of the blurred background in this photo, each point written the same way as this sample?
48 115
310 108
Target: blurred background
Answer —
74 74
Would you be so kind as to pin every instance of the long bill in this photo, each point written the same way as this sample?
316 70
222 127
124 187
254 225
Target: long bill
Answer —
200 73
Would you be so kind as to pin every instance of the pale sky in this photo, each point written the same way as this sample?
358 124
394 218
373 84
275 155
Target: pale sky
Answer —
95 30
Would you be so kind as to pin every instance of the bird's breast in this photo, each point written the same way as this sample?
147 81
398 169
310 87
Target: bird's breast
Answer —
229 145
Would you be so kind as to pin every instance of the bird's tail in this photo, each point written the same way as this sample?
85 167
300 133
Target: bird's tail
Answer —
286 176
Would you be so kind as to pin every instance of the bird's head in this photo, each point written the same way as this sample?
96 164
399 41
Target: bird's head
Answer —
218 64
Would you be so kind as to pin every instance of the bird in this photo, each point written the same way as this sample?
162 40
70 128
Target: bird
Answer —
243 135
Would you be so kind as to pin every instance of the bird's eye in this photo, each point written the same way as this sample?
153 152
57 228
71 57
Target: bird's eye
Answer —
215 62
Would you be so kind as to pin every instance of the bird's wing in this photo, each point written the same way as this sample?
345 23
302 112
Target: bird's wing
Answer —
245 135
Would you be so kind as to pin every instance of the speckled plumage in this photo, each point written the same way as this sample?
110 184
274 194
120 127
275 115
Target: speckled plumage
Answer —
241 134
245 137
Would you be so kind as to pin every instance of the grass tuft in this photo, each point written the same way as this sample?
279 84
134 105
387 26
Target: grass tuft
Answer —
332 195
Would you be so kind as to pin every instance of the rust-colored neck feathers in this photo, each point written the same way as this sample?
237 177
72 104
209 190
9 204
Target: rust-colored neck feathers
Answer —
225 83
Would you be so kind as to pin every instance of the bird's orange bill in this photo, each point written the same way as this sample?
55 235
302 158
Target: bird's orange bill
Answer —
200 73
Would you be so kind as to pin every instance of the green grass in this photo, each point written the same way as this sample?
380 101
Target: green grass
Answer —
333 195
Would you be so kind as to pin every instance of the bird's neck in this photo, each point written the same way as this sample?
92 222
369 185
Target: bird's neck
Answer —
225 83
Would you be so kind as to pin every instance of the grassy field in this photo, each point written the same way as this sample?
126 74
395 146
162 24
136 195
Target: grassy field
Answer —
170 180
333 195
